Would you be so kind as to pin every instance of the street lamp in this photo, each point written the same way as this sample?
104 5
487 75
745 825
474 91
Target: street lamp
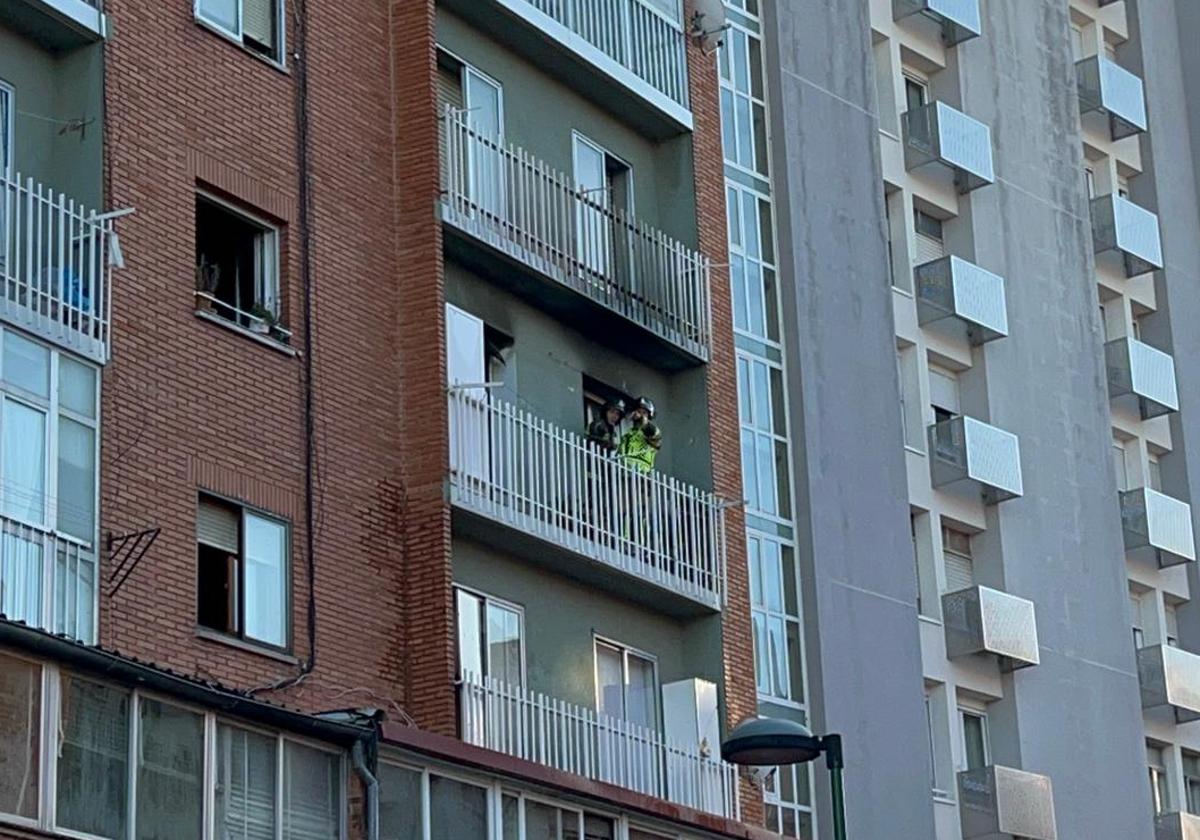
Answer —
774 741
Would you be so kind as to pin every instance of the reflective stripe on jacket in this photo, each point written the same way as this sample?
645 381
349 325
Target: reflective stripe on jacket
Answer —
639 451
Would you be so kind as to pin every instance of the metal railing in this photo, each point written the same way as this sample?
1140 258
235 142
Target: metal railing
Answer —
964 448
524 208
532 726
1144 371
1120 225
960 19
642 39
984 620
47 580
55 267
1170 676
951 286
1108 87
1156 521
938 133
996 801
517 469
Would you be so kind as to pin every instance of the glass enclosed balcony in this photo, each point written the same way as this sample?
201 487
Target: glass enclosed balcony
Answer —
1106 87
954 288
1001 803
1121 226
1136 369
1178 825
964 449
47 580
56 24
959 19
1156 524
983 620
1170 677
937 133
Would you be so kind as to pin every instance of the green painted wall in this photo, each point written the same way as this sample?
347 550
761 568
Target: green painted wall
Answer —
549 359
51 89
562 618
540 114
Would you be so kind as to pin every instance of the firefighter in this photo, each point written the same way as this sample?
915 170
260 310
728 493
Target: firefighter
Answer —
603 430
639 446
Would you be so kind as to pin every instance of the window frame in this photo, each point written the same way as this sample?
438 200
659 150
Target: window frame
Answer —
625 651
911 77
277 57
286 609
267 256
487 600
1160 781
8 141
965 711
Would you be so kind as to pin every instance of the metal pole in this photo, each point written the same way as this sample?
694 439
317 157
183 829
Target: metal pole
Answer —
832 746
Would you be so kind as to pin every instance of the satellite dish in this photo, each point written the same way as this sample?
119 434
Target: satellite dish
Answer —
706 22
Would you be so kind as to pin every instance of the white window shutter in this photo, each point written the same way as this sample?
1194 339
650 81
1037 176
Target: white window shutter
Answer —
217 526
258 21
960 572
928 249
943 390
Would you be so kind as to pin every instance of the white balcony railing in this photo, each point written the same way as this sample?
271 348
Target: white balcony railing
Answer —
55 267
531 726
646 38
47 580
517 469
528 211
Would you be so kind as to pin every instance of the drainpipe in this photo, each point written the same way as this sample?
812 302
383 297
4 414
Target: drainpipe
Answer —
358 755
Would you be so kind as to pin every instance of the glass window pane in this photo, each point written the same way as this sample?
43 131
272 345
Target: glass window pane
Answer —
93 764
754 302
737 281
641 692
749 470
762 396
504 644
23 462
765 450
753 554
399 803
21 575
76 386
761 668
266 581
511 808
597 828
222 13
609 681
456 810
470 634
776 639
170 787
76 479
541 821
245 795
20 731
311 793
975 740
26 364
772 576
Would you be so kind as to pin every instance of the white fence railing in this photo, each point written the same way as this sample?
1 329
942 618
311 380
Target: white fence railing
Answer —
47 580
521 206
648 42
516 468
54 266
526 724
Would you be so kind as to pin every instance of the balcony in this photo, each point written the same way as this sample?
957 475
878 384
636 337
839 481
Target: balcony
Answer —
569 253
1139 370
644 536
936 133
531 726
1177 826
1106 87
954 288
982 620
1120 225
1155 523
966 449
628 56
997 803
959 19
55 265
47 580
1170 677
56 24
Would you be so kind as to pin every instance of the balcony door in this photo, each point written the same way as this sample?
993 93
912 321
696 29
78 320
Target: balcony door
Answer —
484 100
627 703
602 185
6 168
466 372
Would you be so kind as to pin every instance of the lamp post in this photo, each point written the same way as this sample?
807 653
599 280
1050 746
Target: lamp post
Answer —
774 741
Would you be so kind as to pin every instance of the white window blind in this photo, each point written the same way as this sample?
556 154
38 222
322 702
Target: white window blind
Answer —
929 249
258 21
245 795
217 525
960 567
943 389
20 712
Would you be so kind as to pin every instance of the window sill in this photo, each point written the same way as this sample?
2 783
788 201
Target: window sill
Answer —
943 798
928 619
266 341
278 66
900 290
249 647
908 447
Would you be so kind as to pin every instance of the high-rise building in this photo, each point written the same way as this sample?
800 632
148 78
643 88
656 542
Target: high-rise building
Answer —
447 419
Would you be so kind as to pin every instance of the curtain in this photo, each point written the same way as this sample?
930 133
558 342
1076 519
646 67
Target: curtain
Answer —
76 479
20 713
21 574
23 462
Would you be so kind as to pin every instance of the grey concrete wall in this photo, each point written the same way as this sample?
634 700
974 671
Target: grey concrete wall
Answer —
50 89
563 617
859 583
1076 716
550 360
541 112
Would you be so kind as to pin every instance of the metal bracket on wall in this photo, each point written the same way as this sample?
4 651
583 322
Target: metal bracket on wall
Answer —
127 550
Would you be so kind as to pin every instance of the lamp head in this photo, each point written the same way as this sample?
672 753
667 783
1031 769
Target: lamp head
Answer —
763 741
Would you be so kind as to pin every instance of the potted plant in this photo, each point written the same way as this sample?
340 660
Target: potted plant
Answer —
262 320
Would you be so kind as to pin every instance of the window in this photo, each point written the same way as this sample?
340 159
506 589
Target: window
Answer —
933 779
1118 455
20 737
456 809
943 393
596 395
1172 622
761 408
956 554
1154 473
1159 792
6 133
1122 186
626 685
775 617
93 761
930 243
787 802
1076 41
916 92
311 793
1191 781
743 101
752 264
400 802
490 638
1135 613
254 23
911 417
1089 181
975 739
237 267
242 581
170 772
48 456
